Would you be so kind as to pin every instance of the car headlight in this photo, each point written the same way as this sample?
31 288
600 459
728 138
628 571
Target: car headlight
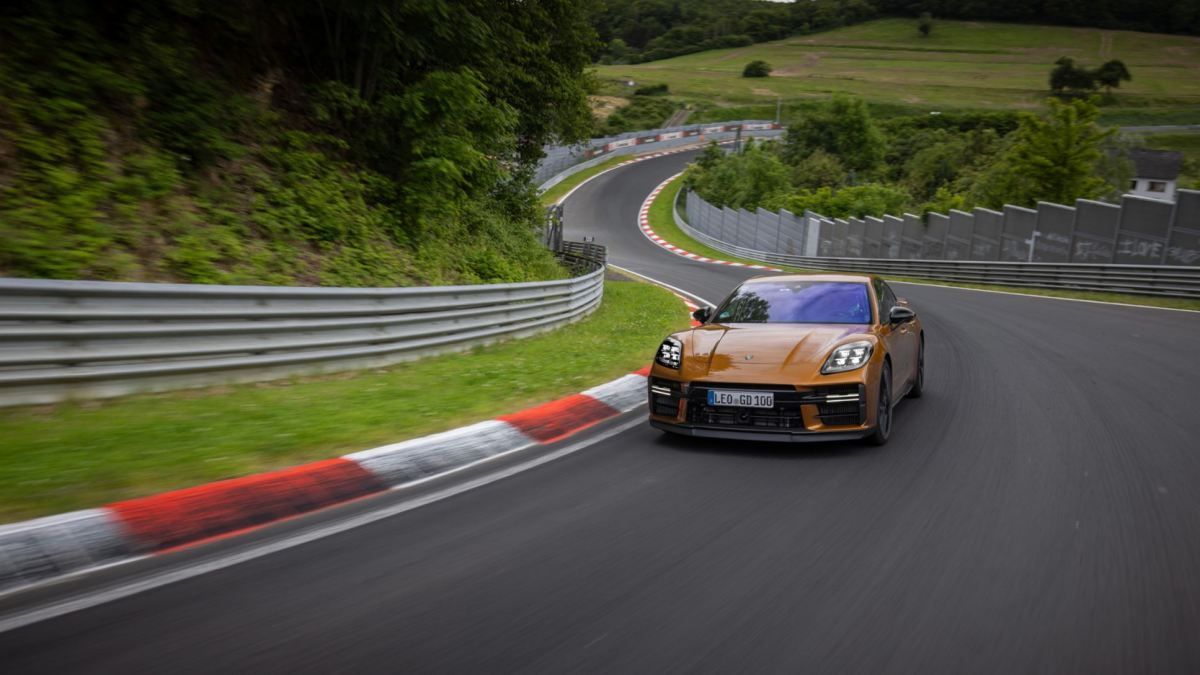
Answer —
850 356
670 353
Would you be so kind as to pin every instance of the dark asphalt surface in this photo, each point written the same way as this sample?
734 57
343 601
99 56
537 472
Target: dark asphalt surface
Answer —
1037 512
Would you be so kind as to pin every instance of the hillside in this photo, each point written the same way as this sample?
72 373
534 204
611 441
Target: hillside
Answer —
960 65
359 144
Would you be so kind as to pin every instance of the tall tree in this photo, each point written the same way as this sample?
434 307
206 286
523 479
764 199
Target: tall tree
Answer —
1112 74
1066 77
1053 158
843 127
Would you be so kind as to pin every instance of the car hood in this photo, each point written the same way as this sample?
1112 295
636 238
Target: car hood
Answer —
765 350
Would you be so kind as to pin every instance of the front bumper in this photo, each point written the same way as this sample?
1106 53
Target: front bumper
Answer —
754 435
830 411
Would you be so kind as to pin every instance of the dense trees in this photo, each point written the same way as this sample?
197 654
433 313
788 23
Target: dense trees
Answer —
322 141
646 30
840 162
844 129
1162 16
1053 158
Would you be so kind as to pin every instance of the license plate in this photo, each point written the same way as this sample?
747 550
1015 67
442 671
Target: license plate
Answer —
741 399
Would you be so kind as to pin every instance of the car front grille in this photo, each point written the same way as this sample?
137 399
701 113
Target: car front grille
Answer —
836 406
784 415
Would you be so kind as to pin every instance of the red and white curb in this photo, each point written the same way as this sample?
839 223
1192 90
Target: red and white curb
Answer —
41 549
644 226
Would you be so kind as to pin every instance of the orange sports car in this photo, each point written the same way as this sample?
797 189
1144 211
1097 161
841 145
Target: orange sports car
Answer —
791 358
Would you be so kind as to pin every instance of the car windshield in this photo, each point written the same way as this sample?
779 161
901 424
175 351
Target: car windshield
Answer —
797 302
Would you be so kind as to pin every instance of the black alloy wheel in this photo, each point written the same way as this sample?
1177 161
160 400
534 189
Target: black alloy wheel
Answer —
883 411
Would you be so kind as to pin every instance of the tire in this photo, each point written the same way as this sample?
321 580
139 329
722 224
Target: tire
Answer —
883 408
918 387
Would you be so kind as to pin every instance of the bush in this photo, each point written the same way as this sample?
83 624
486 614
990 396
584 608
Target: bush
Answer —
872 199
756 69
652 90
643 112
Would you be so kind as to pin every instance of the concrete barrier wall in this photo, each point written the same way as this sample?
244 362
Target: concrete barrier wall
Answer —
1138 231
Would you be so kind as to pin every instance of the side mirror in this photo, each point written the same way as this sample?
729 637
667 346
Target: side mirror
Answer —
703 314
900 314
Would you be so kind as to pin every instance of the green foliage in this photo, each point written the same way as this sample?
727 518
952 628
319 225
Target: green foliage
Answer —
190 142
1068 78
756 69
843 127
944 200
643 112
1052 158
819 169
871 199
925 24
1112 74
900 126
652 90
1114 166
649 30
751 178
1165 17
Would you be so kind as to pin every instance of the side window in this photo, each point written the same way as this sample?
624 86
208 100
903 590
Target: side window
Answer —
877 284
886 302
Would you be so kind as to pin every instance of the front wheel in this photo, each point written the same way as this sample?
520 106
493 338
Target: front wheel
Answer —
883 412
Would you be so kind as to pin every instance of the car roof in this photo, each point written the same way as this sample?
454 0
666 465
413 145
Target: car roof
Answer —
857 278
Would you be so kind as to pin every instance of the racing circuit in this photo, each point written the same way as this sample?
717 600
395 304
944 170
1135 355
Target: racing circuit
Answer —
1036 511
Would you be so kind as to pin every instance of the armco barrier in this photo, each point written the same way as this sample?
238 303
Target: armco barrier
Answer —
1160 280
1138 231
84 339
563 160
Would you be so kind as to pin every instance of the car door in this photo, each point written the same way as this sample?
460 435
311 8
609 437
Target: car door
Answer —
907 343
892 338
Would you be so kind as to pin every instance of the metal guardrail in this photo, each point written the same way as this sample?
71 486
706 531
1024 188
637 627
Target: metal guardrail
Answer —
1159 280
84 339
561 161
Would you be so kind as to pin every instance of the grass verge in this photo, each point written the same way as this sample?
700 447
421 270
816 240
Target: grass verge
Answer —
569 183
81 455
663 223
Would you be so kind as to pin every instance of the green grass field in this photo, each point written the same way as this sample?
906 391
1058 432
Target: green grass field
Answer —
71 456
961 65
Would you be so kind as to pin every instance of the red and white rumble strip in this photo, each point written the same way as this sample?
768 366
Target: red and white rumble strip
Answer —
644 226
40 549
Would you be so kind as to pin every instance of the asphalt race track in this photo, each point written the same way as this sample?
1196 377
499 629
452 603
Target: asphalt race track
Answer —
1037 512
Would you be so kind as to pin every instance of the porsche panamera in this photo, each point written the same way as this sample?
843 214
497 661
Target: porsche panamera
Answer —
791 358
